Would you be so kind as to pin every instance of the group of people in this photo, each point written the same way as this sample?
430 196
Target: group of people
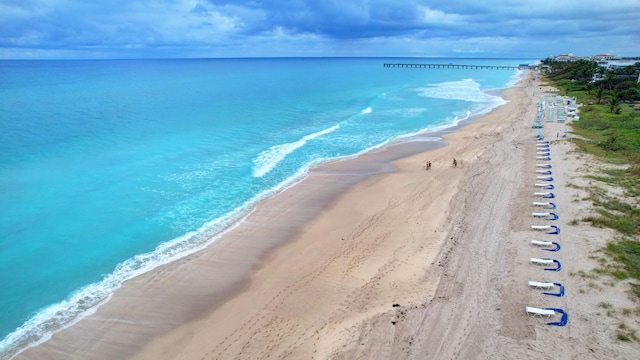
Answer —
427 164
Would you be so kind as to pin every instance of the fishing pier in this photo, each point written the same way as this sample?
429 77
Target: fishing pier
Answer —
458 66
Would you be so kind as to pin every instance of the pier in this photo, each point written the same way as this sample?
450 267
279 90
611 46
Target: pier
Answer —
457 66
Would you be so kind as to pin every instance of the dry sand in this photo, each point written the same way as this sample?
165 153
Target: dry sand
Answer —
409 264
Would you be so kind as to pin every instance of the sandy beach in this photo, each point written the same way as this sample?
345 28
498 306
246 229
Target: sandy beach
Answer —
364 260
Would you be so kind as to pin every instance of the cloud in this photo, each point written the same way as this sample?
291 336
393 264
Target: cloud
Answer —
322 28
430 16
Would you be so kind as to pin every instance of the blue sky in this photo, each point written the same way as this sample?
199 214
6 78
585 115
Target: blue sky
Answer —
263 28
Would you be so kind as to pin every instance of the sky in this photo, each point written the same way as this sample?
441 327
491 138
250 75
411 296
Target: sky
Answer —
99 29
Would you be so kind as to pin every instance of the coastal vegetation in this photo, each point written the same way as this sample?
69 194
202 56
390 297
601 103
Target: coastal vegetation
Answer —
609 128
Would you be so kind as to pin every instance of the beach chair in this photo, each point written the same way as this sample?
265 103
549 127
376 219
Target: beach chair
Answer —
546 245
554 230
563 321
548 195
548 205
541 285
553 216
545 186
548 286
544 172
541 262
537 312
544 177
547 261
547 158
546 166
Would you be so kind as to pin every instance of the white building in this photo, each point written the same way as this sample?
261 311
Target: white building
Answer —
603 57
566 57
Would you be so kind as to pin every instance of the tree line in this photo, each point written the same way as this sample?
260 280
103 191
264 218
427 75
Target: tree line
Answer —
611 86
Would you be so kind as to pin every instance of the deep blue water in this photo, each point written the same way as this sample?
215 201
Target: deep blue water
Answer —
110 168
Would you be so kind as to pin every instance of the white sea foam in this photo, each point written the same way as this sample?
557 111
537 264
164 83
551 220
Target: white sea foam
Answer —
84 302
404 112
268 159
467 90
436 128
414 138
516 77
366 111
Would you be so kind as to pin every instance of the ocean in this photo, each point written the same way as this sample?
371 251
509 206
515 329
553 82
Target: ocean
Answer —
110 168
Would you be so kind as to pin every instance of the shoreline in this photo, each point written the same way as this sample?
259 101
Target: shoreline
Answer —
380 162
236 259
405 264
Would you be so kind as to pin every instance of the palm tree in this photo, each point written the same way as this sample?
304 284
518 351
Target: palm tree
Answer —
589 87
600 93
610 80
613 104
629 71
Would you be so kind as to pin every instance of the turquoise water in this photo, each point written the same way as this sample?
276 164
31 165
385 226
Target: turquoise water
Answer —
110 168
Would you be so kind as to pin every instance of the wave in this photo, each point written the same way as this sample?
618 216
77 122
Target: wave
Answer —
516 78
84 302
268 159
414 138
466 90
366 111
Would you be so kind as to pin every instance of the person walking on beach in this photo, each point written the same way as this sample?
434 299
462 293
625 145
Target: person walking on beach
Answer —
455 163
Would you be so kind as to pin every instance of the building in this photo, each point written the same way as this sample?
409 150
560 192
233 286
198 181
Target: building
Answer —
603 57
565 57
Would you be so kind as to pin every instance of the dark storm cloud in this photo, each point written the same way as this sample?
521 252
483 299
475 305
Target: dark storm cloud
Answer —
146 28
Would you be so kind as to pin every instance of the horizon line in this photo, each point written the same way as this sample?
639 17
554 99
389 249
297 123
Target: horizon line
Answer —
261 57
